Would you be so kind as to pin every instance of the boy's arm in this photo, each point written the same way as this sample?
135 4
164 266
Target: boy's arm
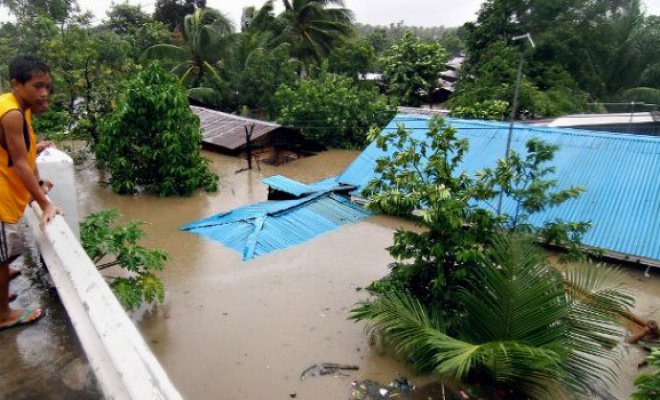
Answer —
12 125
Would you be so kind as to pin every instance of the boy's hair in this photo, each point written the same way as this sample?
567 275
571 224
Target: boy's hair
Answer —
23 68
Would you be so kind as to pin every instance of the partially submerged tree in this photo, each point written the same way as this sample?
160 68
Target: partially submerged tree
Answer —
525 326
422 180
86 66
153 139
459 268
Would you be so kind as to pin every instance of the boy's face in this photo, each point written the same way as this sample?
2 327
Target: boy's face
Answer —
34 93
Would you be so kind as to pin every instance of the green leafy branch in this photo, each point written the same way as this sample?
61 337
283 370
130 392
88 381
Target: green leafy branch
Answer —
102 238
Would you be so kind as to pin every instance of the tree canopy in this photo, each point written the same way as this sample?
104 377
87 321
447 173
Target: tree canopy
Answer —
161 155
585 51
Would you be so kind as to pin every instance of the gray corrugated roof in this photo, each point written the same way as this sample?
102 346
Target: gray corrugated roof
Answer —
228 130
422 111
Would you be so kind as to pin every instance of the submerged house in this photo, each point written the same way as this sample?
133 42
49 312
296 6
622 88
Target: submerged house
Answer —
303 212
618 171
261 140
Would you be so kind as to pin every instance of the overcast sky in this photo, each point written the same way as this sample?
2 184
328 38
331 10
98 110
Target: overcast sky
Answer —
376 12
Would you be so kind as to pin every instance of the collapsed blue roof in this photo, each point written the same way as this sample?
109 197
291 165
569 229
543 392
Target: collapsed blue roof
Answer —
619 172
274 225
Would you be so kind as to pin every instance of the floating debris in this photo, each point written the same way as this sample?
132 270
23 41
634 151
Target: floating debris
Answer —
372 390
327 369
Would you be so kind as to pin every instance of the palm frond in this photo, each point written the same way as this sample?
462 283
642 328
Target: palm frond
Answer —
515 297
313 29
167 51
189 72
596 296
212 71
403 320
419 336
206 95
180 69
599 286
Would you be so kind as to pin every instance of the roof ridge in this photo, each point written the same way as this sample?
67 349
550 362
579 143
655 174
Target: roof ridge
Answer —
239 117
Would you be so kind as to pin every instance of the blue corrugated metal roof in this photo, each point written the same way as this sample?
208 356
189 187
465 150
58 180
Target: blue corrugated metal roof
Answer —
274 225
619 172
284 184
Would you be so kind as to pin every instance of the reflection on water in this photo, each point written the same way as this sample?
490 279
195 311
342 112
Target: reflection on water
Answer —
246 330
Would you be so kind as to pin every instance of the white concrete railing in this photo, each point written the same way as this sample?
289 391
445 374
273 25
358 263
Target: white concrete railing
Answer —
123 364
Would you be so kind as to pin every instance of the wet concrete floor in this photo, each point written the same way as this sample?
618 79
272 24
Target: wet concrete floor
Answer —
43 360
240 330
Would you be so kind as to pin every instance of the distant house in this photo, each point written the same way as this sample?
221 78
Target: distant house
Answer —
448 78
441 112
370 76
641 123
450 75
618 171
265 141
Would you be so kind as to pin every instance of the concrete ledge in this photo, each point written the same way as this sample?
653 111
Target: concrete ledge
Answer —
123 364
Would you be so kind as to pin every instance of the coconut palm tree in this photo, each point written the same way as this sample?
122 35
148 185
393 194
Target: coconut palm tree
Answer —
261 19
206 34
525 323
313 28
257 62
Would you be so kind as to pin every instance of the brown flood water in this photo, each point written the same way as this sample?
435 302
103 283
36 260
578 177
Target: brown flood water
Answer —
246 330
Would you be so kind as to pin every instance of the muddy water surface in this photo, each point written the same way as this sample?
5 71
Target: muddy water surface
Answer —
246 330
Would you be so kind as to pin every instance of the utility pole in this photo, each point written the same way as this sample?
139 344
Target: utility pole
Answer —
514 109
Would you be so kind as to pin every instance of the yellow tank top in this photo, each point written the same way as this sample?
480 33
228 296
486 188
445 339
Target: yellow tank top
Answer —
13 194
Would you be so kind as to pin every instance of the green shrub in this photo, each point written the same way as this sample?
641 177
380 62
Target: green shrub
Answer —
153 139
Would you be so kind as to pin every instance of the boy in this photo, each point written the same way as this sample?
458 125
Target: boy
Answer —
19 177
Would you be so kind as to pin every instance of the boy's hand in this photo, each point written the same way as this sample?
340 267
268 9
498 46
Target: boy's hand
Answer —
48 214
47 144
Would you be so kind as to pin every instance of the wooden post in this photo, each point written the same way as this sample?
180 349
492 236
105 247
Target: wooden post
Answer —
248 144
